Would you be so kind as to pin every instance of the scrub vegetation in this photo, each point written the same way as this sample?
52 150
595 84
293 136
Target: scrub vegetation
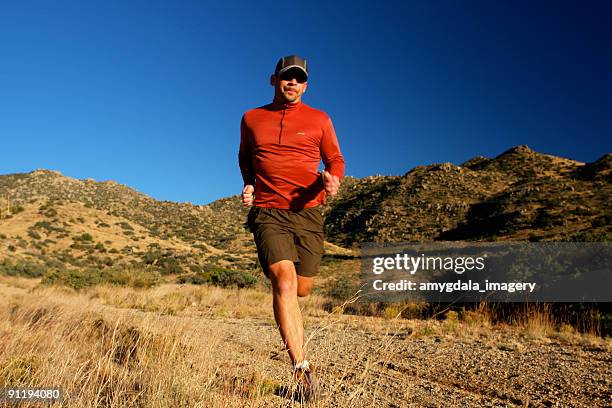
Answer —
123 300
203 345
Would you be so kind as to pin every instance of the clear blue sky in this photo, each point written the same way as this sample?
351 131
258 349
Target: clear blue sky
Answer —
150 93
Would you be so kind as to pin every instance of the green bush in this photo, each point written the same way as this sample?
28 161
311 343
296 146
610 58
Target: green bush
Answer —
228 277
47 226
125 225
603 221
27 269
33 234
194 279
220 277
83 237
343 288
83 278
165 262
170 266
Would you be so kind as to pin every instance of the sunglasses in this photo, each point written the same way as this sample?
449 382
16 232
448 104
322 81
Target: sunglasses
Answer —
298 74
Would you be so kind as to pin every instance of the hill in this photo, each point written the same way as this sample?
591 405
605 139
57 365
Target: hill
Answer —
59 220
49 219
519 195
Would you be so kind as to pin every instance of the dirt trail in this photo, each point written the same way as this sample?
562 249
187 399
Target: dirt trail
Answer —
366 362
396 370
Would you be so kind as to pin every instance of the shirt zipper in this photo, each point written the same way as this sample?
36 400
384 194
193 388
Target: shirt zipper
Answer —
281 125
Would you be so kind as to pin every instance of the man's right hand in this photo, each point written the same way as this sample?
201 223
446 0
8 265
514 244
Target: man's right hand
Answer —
247 194
331 183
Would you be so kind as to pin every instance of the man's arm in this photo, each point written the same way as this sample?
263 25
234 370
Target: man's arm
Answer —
245 160
332 159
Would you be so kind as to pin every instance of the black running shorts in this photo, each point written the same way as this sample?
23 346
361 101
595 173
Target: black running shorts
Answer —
294 235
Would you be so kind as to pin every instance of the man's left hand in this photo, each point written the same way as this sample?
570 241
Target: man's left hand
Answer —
331 183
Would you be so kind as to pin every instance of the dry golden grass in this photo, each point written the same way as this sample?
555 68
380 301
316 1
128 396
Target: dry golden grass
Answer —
122 347
198 299
536 321
110 359
201 346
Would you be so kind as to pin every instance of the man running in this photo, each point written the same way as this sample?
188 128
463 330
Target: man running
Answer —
281 146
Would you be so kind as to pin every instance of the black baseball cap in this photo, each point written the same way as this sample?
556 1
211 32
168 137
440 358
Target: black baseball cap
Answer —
292 61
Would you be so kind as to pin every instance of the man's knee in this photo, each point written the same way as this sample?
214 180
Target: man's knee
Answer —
304 285
303 292
283 277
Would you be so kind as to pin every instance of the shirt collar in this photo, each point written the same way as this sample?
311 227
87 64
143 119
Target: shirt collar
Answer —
280 105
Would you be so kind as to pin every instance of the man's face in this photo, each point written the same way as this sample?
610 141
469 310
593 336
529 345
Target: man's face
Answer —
289 86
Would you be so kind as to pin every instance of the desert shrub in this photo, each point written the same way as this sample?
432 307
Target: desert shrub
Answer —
343 288
220 277
194 279
51 212
26 269
125 225
74 278
229 277
603 221
33 234
170 266
165 262
45 225
77 245
83 237
86 277
533 237
591 236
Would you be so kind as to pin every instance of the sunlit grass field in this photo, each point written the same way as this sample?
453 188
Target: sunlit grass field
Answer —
204 346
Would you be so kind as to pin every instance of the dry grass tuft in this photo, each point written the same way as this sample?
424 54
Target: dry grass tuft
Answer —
108 358
201 346
536 320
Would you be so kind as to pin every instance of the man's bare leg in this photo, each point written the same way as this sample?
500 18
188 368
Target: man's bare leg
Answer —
286 286
304 285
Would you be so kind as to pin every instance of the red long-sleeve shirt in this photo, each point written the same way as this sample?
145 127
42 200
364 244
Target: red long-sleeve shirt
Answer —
281 146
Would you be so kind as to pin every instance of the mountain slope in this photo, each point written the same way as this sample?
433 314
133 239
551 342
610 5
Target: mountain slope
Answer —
519 195
48 218
50 213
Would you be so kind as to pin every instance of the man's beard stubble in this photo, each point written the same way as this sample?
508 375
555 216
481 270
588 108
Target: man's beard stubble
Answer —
290 98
